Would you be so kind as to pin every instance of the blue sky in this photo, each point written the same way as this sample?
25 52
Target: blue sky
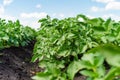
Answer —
30 11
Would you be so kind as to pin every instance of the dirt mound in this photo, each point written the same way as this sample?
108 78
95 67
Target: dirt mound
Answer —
15 63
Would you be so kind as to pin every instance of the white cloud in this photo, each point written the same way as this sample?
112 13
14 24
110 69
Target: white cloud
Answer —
31 19
3 15
112 16
31 23
113 6
7 2
96 9
61 15
54 14
33 15
104 1
2 10
89 16
110 5
38 6
8 17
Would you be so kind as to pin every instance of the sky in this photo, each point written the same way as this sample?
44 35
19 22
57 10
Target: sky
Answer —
30 11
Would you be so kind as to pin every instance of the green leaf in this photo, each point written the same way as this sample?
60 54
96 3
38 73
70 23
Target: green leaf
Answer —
112 73
94 59
108 24
6 38
42 76
82 16
95 22
88 73
36 56
73 68
101 71
111 53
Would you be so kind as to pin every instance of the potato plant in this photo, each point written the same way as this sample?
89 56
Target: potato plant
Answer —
78 45
14 34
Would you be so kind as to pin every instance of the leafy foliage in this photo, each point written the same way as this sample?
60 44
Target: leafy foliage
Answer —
14 34
95 69
77 44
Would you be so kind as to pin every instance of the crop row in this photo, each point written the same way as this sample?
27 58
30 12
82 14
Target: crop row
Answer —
66 47
78 45
14 34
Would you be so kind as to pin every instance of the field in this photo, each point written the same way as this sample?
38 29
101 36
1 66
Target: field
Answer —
73 48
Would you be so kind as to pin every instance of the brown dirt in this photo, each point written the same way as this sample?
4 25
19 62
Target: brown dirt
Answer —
15 63
80 78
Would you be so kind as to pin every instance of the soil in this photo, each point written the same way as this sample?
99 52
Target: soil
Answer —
80 78
15 64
